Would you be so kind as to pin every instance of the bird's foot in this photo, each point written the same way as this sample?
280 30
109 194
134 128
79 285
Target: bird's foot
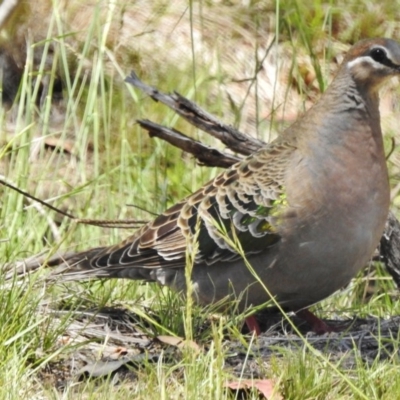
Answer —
252 325
317 325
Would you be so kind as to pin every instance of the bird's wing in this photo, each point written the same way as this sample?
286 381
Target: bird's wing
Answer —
239 205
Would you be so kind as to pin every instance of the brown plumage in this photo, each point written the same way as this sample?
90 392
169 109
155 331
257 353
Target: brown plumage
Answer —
308 209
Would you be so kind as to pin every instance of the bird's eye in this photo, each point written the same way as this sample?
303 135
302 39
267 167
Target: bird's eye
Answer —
378 55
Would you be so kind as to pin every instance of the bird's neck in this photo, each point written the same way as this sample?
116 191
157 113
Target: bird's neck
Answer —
346 123
346 95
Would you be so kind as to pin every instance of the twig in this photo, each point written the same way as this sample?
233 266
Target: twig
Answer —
390 247
36 202
113 223
231 137
205 155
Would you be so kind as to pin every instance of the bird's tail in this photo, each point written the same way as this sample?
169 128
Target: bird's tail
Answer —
71 265
77 266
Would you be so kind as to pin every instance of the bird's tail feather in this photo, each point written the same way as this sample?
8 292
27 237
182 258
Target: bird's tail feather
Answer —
71 265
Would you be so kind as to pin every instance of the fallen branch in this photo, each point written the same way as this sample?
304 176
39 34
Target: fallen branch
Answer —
191 112
204 154
390 247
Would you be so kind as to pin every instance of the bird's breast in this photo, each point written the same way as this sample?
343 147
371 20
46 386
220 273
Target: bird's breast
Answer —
337 208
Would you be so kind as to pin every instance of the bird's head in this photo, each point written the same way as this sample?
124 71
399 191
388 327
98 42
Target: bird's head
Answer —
371 62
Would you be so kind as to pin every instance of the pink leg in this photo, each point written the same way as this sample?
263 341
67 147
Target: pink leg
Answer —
317 325
252 325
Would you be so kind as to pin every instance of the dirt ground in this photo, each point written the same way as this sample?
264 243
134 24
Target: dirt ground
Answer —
114 344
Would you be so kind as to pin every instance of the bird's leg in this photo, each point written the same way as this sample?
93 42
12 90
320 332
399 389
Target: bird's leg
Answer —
252 325
317 325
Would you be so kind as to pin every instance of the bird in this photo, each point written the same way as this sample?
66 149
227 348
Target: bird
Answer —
294 222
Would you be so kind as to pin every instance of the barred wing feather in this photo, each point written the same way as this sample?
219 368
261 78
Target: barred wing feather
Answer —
243 202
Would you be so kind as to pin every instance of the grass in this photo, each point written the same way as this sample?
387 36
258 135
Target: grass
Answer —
116 165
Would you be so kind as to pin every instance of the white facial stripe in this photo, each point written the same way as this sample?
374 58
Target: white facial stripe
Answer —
366 59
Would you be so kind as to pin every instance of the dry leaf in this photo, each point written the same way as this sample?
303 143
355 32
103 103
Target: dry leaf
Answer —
179 342
267 387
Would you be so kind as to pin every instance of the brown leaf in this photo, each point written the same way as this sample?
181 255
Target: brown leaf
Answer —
267 387
179 342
